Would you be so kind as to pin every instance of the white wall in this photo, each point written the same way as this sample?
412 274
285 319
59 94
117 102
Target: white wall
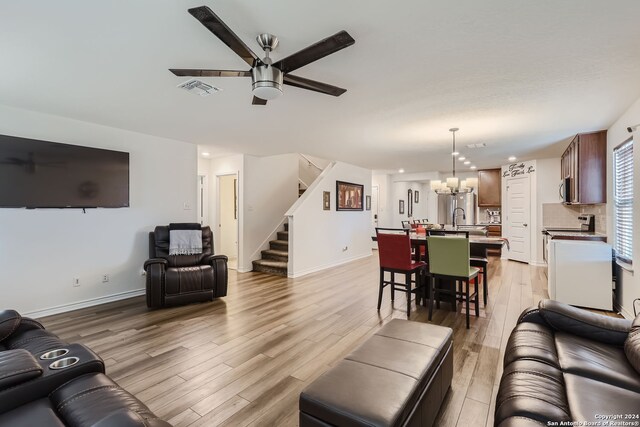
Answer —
318 238
548 186
628 283
42 250
270 188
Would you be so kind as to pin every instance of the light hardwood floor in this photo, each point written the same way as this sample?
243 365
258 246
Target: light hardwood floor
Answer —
243 359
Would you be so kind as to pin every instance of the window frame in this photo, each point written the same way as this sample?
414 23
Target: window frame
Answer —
626 258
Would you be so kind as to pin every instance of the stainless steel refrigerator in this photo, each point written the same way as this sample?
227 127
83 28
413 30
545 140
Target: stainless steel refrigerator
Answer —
448 202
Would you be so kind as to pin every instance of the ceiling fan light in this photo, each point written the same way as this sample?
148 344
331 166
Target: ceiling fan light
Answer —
267 93
266 82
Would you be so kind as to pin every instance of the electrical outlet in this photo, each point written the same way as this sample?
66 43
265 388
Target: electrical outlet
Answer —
105 278
186 206
76 282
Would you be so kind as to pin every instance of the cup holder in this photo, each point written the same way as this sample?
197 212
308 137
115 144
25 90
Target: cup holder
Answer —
54 354
64 363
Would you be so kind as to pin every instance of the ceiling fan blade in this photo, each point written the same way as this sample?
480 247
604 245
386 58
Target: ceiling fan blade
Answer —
190 72
224 33
314 52
313 85
258 101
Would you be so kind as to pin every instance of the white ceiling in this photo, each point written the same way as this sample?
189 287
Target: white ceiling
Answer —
521 76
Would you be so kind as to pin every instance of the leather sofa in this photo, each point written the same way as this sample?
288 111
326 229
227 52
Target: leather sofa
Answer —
567 365
182 279
45 381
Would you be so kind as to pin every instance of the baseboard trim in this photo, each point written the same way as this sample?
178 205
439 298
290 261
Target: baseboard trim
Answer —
620 309
324 267
84 304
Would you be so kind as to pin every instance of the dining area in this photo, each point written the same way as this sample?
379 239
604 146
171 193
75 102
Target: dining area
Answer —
436 265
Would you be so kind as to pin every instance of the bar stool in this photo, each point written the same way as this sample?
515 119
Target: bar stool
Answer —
449 259
394 251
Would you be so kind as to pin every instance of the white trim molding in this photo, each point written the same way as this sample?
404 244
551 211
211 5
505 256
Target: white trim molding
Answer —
84 304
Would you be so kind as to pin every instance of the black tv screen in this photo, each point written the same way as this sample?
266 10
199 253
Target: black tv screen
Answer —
42 174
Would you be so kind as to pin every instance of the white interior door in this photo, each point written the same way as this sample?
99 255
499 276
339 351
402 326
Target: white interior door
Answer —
228 218
518 217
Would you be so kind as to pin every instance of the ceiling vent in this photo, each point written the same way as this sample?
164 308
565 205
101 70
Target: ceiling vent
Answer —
479 145
198 88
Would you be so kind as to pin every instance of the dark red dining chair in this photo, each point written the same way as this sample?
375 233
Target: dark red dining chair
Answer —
394 251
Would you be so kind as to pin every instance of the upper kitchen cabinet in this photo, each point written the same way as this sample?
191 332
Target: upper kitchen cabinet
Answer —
584 163
489 187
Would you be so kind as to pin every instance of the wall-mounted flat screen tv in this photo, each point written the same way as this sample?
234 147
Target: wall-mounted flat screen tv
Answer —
42 174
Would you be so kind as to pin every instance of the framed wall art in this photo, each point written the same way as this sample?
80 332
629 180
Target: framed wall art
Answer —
349 196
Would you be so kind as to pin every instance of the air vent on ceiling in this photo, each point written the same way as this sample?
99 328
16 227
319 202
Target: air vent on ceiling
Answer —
199 88
478 145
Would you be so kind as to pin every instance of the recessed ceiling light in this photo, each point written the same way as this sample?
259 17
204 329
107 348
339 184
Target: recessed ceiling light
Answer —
461 158
472 167
206 153
512 158
455 153
467 162
400 170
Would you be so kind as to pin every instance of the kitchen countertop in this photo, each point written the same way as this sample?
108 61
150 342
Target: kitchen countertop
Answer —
575 235
485 224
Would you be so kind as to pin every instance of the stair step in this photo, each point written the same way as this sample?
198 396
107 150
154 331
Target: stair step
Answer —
275 255
286 226
283 235
278 268
282 245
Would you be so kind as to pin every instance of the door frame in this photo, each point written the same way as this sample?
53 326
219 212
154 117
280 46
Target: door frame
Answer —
505 214
237 207
203 204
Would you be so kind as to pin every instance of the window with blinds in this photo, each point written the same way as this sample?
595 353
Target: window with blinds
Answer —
623 199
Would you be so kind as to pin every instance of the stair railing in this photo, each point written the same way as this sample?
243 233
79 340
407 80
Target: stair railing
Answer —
310 162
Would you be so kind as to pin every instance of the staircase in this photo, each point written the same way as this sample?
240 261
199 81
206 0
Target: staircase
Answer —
274 260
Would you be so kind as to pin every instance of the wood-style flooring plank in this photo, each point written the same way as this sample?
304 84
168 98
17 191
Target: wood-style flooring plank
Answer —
243 359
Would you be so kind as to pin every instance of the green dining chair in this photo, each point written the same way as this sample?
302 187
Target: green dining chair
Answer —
449 260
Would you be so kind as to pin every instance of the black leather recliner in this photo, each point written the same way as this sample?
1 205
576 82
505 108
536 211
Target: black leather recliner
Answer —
183 279
45 381
567 365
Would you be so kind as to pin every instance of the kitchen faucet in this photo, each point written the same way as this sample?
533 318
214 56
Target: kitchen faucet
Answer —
454 216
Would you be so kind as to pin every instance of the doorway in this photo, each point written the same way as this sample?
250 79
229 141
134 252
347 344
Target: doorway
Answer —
518 218
228 218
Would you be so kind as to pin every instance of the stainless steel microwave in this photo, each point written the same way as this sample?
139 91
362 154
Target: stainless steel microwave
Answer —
565 190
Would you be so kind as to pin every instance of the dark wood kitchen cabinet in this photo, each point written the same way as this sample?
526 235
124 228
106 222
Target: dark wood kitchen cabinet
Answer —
584 162
489 187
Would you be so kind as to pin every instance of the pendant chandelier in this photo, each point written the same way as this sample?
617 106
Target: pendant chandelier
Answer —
453 185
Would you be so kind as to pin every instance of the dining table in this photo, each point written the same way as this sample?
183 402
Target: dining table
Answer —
476 242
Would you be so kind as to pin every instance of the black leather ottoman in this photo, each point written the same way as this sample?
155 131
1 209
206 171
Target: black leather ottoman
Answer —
398 377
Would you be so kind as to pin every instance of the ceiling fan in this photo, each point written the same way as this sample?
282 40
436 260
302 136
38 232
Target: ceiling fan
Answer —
267 77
